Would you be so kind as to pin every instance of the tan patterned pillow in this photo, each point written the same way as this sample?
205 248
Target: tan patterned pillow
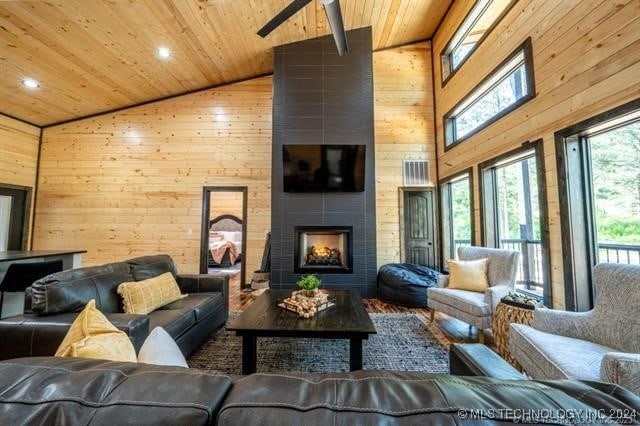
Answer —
142 297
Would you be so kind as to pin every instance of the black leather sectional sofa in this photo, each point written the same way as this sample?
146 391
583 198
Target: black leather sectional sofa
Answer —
61 391
71 391
55 301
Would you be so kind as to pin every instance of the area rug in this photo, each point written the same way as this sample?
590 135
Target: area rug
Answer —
402 343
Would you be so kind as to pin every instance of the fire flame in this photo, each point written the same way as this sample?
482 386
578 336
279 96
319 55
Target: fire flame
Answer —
321 251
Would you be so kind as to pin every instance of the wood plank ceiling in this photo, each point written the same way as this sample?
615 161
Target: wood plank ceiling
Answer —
93 56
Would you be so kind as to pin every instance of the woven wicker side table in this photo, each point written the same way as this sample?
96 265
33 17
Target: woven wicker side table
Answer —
508 313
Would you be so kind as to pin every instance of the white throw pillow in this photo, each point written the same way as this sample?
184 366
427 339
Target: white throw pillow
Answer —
237 237
160 349
232 236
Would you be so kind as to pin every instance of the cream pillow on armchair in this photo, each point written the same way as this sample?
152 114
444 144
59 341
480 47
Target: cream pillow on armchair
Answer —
468 275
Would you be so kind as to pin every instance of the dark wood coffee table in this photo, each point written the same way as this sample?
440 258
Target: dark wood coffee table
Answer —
263 318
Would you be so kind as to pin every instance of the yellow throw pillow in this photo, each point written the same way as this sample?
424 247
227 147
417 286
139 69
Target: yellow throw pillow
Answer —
92 336
142 297
468 274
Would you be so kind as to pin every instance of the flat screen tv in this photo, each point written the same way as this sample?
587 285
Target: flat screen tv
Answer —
323 168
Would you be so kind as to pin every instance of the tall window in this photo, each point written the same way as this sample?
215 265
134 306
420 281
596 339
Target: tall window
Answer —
615 165
456 199
481 19
513 214
599 187
503 90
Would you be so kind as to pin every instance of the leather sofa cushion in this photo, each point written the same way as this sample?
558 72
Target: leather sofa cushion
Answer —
174 321
146 267
39 391
404 398
107 393
71 290
41 335
203 304
136 327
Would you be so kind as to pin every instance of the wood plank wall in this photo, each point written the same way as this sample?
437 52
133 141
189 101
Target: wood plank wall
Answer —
18 154
130 183
586 58
404 130
226 203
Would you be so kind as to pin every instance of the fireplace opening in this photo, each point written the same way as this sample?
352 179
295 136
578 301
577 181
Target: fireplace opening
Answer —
323 249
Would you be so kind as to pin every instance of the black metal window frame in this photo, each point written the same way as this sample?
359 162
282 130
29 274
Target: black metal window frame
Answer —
449 120
445 54
448 242
488 208
579 242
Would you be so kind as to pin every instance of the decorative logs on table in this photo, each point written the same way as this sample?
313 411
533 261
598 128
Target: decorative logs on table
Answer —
304 305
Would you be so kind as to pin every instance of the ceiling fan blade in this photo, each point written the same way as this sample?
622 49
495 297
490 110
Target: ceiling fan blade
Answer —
334 16
284 14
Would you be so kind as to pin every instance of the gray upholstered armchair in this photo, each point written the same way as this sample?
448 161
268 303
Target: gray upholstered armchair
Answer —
470 306
602 344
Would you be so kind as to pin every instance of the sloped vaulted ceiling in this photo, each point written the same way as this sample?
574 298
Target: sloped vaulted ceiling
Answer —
93 56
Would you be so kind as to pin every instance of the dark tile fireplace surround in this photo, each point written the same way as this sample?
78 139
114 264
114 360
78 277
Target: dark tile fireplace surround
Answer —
322 98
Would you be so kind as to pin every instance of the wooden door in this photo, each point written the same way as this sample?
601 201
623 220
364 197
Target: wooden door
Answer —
420 227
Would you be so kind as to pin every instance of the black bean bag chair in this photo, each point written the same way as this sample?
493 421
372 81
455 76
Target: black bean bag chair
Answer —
405 284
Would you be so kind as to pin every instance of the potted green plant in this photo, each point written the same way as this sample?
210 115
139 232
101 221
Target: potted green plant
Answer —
309 284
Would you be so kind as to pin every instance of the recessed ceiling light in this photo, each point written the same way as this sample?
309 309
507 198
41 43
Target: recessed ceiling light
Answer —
164 52
30 83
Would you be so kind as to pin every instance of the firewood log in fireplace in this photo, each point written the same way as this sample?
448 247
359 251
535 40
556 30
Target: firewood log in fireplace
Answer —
323 256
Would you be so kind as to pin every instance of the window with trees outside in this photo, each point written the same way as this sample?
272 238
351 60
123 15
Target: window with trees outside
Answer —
456 200
513 213
615 166
507 87
599 165
483 16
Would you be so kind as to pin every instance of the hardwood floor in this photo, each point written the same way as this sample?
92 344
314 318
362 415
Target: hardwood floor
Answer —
446 329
